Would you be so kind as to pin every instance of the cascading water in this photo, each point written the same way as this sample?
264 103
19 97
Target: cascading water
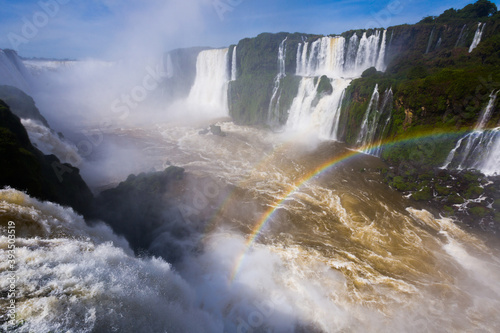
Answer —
480 148
329 55
369 51
325 56
375 121
386 113
477 36
369 119
460 36
352 50
209 91
339 254
274 104
311 111
340 61
429 43
439 42
491 165
381 55
234 70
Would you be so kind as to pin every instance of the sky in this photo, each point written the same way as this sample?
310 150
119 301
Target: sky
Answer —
110 29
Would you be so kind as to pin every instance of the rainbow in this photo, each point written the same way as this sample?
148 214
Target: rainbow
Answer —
320 169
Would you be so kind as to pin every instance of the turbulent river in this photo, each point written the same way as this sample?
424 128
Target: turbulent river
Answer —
292 235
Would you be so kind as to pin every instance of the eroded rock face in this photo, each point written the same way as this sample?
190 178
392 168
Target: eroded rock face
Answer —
43 176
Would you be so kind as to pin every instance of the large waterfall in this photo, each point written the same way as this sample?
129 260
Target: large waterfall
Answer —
274 104
477 36
324 56
209 91
329 55
341 61
479 149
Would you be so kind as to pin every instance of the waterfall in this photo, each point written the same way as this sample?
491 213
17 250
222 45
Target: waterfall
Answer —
370 118
438 44
329 55
352 50
381 55
486 115
477 36
385 119
375 121
340 60
491 165
234 71
429 43
460 36
479 149
368 52
274 104
312 111
209 90
325 56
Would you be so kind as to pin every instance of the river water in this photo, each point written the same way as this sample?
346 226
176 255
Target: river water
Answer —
282 244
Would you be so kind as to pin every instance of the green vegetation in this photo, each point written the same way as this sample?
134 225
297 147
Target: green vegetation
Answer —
478 10
250 94
422 194
439 91
324 86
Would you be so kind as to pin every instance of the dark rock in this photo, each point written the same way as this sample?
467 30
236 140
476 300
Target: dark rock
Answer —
216 130
21 104
43 176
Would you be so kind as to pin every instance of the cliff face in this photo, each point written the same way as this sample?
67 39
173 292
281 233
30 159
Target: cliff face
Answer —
437 83
257 67
12 71
433 76
43 176
21 104
440 71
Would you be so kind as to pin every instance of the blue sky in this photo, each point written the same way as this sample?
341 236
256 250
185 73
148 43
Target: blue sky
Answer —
112 28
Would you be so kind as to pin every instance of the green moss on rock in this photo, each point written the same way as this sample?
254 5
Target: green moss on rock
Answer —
424 194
